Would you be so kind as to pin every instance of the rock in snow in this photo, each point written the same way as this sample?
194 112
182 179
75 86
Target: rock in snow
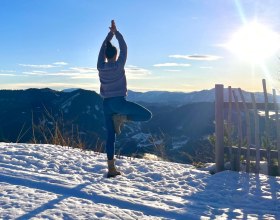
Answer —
54 182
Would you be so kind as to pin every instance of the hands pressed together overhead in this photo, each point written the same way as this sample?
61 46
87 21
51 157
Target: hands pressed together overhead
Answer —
113 27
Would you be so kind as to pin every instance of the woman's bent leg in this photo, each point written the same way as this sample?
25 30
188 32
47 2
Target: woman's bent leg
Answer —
135 112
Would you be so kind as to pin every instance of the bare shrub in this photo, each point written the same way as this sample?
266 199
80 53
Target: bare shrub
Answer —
53 130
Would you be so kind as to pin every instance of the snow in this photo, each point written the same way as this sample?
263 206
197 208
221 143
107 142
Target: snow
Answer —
142 139
179 142
88 109
54 182
68 103
96 107
148 156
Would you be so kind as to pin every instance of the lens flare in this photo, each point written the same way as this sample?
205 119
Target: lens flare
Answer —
254 42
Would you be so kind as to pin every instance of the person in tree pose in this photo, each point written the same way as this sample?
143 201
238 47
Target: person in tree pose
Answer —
113 89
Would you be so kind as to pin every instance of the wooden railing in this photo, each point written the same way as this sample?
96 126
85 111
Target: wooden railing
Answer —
245 138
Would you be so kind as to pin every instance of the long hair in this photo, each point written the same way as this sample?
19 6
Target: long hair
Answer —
110 51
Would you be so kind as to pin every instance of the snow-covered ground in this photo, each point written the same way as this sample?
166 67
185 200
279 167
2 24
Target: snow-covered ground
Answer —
53 182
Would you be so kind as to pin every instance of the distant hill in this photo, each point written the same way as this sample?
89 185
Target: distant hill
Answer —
69 90
22 108
175 98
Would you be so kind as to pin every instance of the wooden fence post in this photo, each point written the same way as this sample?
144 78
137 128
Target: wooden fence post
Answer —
219 127
229 126
277 128
248 130
240 135
257 133
267 127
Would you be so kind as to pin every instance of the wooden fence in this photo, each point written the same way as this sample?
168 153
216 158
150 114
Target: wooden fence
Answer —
242 135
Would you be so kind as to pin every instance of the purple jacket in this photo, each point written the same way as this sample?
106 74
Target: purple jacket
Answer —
112 74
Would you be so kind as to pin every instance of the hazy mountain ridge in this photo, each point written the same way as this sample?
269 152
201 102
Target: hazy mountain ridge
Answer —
181 98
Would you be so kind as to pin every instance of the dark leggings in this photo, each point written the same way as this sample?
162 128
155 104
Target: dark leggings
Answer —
119 105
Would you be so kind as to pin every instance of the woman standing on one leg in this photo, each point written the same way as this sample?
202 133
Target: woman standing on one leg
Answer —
113 89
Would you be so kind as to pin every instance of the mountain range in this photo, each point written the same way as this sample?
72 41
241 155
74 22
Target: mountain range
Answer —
178 130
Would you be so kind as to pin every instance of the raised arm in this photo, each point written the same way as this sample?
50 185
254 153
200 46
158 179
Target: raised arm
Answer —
101 56
123 48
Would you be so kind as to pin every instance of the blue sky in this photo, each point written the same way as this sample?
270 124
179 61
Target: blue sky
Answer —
174 45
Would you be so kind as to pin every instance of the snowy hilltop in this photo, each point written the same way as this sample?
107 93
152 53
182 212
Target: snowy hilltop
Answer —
54 182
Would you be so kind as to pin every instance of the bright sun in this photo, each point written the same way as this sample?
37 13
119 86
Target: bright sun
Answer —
254 42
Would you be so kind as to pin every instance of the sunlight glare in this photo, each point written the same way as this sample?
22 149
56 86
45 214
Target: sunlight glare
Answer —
254 42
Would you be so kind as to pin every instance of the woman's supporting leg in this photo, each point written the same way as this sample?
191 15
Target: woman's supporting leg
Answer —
111 137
